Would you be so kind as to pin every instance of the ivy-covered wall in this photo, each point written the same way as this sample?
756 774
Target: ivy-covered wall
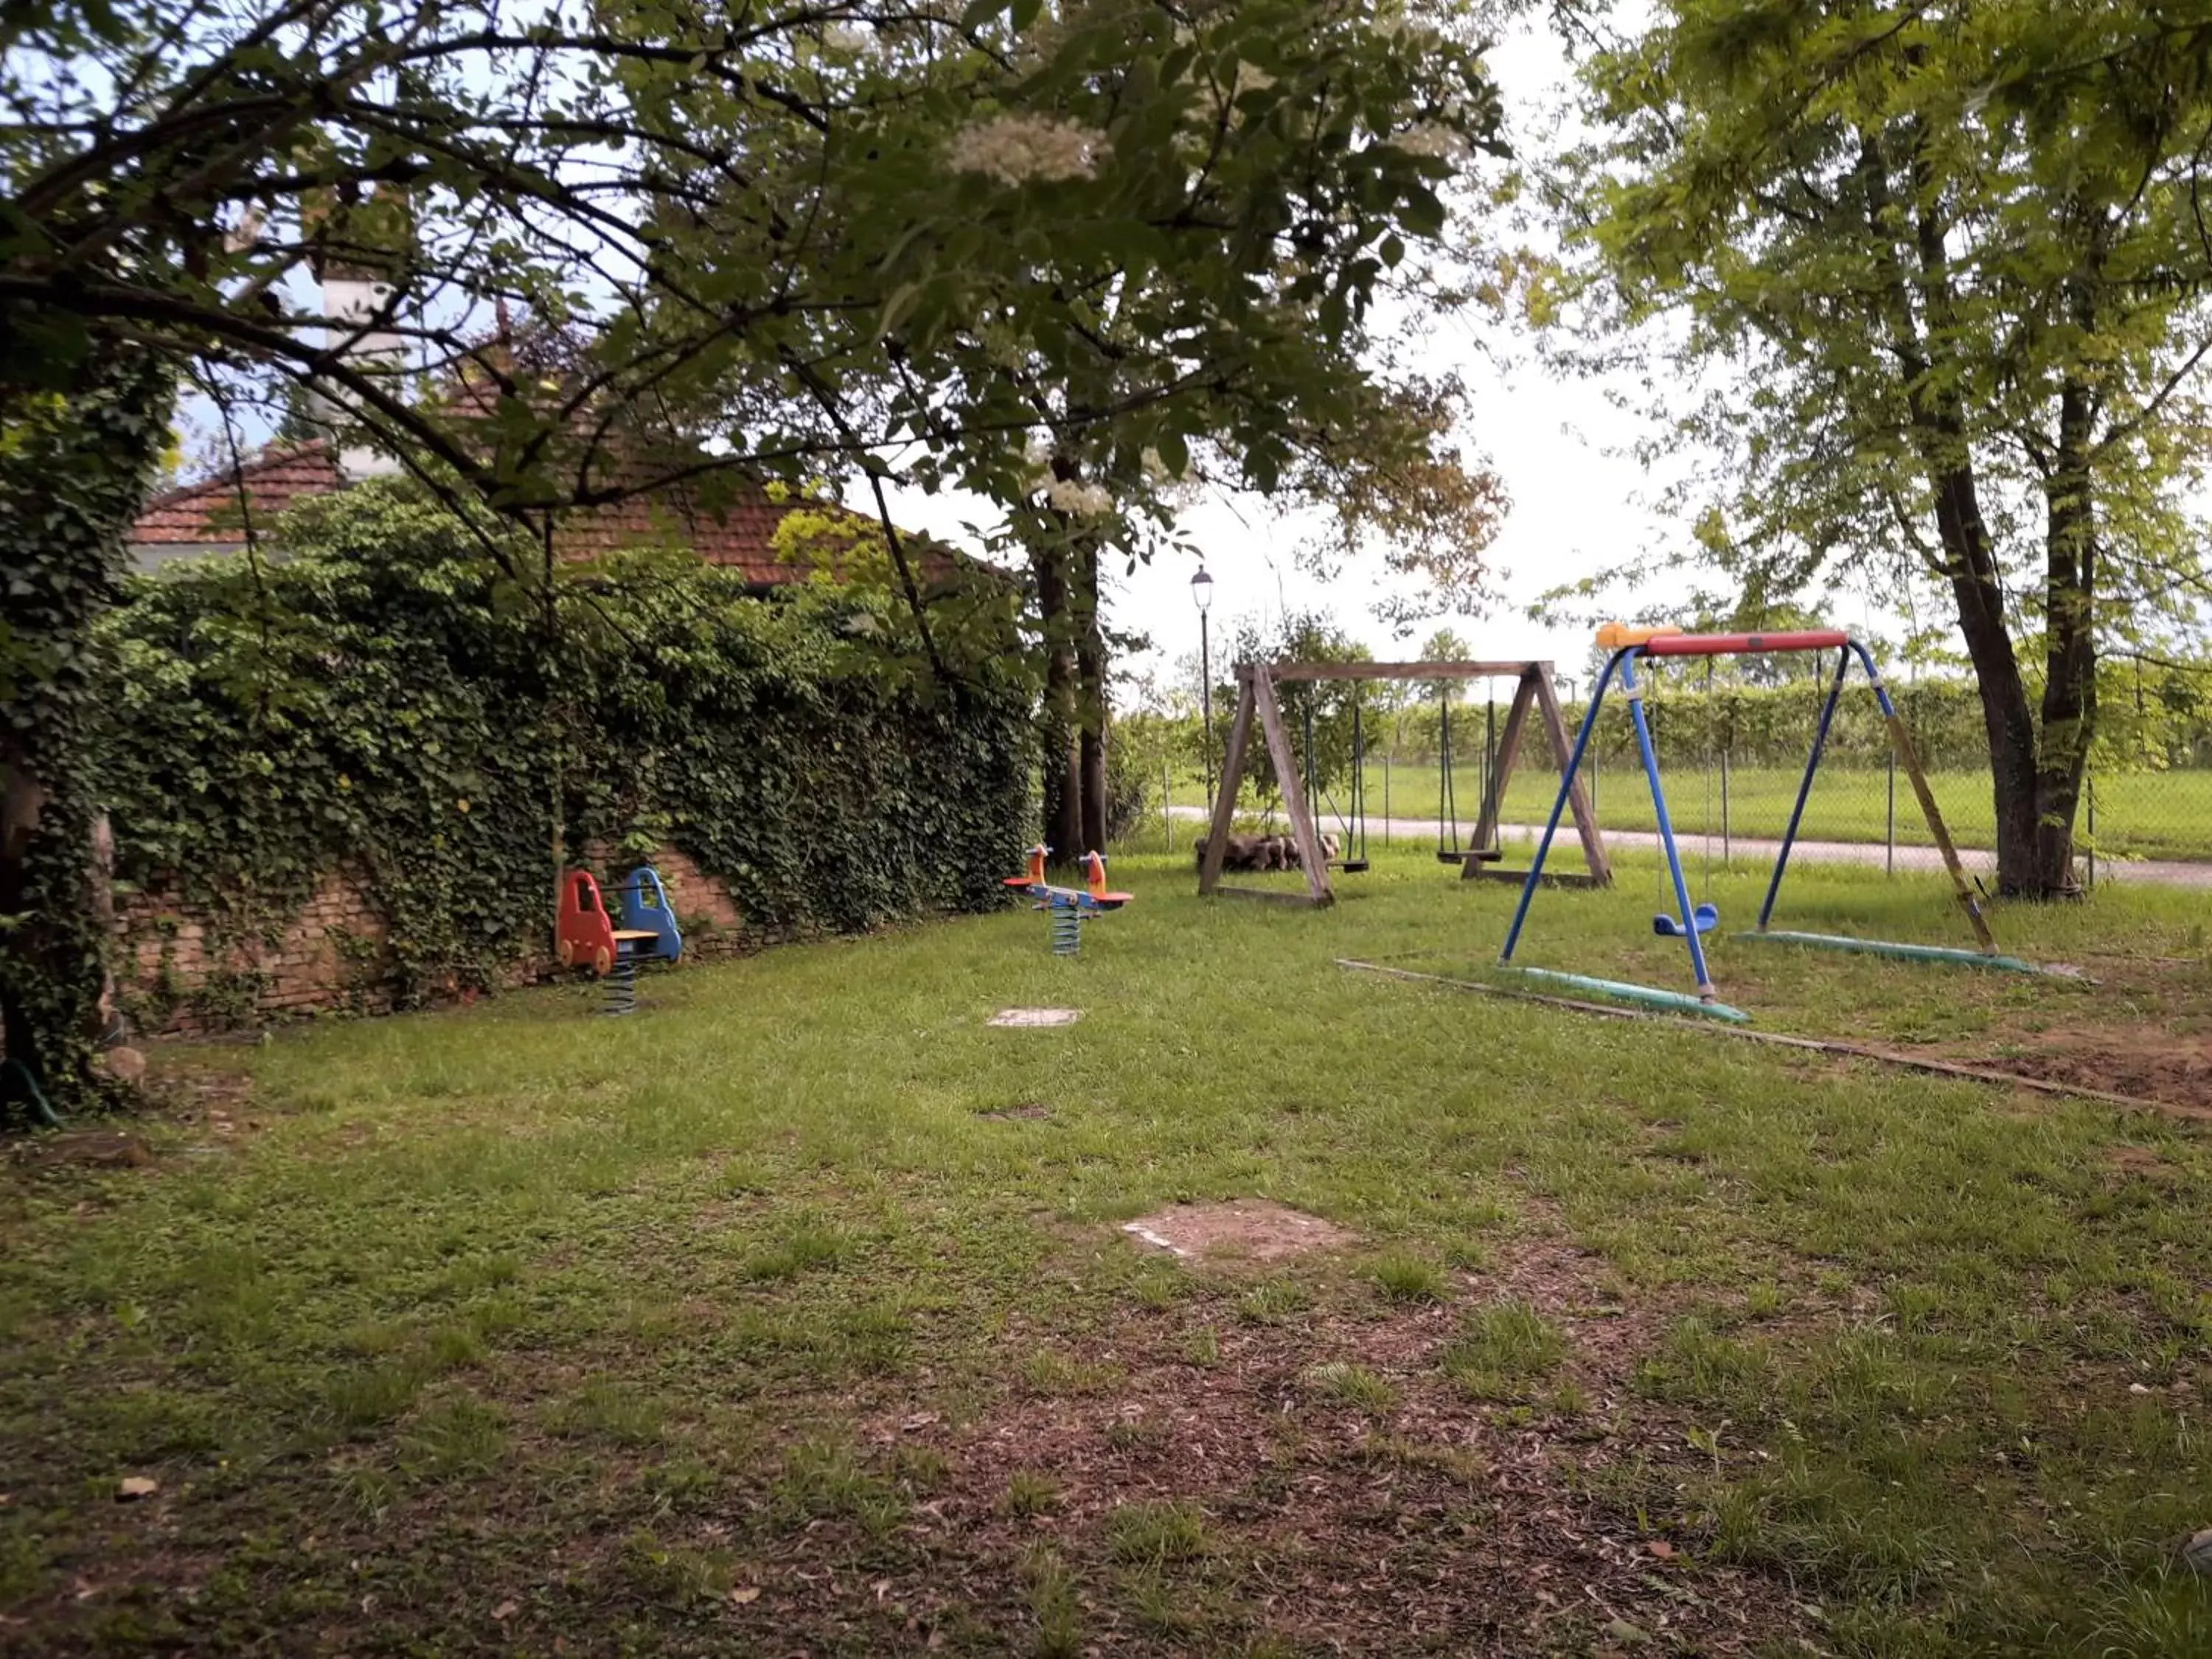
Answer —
388 713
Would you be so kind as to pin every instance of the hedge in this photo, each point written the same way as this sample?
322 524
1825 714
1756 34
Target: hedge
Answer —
387 697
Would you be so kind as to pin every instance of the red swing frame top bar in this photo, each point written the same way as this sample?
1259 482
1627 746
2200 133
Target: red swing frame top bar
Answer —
1729 645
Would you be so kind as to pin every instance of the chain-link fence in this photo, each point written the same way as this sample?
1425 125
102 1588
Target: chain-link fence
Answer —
1732 752
1732 736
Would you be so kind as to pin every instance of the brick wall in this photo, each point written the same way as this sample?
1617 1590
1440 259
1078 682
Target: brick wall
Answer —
182 972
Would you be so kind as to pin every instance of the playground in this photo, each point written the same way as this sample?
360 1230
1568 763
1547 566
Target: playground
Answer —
798 1311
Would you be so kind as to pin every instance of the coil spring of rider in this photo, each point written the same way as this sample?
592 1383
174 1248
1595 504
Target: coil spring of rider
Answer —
622 986
1067 930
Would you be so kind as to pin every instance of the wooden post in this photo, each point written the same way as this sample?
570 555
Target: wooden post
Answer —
1225 798
1501 770
1292 786
1535 691
1578 801
1900 742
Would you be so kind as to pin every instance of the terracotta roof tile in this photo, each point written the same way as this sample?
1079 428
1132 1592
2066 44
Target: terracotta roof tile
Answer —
738 532
210 512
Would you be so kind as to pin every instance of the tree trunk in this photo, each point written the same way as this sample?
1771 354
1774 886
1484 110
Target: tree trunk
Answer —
72 478
1090 696
1058 722
2007 718
2069 688
1970 562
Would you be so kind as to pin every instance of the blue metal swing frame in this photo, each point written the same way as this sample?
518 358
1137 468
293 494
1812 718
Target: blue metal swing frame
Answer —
1707 1000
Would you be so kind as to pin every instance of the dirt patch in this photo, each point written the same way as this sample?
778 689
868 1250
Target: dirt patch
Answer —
1034 1017
1246 1229
1607 1329
2138 1163
1028 1110
2147 1061
83 1148
1411 1519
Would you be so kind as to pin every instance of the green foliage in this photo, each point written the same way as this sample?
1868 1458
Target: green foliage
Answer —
1950 265
72 475
389 698
1325 705
1163 228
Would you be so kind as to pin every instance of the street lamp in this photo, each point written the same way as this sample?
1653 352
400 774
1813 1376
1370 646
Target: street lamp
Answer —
1201 595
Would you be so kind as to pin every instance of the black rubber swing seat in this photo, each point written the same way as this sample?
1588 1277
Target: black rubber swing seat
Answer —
1477 855
1350 866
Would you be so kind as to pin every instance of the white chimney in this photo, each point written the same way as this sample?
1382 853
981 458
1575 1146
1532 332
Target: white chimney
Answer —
352 299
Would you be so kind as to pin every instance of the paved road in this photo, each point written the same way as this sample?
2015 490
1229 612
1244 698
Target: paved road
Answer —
1751 850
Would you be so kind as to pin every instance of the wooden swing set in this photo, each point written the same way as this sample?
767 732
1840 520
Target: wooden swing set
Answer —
1255 697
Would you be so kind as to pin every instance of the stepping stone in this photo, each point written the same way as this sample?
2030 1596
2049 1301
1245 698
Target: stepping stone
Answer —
1035 1016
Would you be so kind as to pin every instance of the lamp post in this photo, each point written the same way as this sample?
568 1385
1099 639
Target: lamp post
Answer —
1201 595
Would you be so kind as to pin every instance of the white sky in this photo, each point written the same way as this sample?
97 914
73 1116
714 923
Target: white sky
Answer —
1578 498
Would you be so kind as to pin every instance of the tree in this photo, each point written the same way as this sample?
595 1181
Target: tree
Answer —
1951 265
800 240
1209 322
72 471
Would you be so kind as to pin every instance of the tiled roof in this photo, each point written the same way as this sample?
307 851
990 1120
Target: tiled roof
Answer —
738 532
212 512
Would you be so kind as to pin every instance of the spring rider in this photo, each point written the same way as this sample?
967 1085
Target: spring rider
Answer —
1066 906
588 937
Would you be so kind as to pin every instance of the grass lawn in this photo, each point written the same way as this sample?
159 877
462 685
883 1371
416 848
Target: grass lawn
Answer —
2155 815
793 1315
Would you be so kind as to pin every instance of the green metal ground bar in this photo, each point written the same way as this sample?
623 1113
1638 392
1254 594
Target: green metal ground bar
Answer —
1650 996
1883 947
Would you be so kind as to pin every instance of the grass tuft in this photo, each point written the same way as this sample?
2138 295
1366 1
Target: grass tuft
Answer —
806 1250
1502 1350
1053 1603
662 1572
1351 1385
1049 1371
609 1410
459 1437
364 1398
1409 1278
1030 1492
1273 1301
823 1478
1153 1533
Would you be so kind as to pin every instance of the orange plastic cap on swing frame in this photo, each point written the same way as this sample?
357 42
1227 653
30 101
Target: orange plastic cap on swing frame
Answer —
1613 636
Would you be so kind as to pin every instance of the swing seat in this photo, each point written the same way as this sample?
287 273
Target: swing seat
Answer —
1705 917
1472 854
1352 867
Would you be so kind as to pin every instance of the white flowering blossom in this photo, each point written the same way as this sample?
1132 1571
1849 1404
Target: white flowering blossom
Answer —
1017 150
1433 138
1078 500
844 37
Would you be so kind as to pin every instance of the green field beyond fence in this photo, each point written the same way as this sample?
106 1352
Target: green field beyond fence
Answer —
2139 815
1732 778
2161 815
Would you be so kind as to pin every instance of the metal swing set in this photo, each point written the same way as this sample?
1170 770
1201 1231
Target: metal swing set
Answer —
1629 646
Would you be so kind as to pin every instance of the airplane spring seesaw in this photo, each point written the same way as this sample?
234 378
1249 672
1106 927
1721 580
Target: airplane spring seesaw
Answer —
1068 906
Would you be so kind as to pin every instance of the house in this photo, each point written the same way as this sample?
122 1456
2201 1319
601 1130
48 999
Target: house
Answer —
217 514
737 531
